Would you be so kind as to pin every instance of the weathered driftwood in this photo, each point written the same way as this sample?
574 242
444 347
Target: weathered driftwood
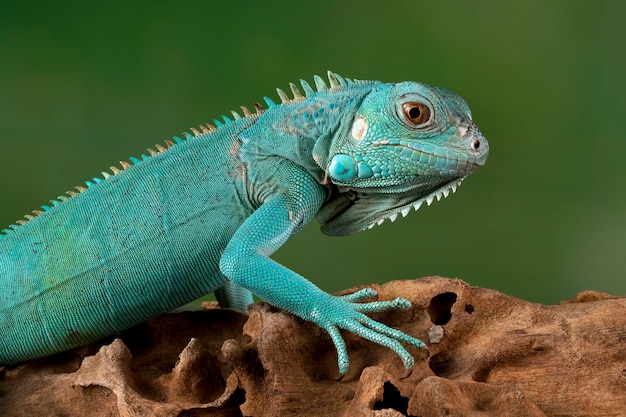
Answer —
490 354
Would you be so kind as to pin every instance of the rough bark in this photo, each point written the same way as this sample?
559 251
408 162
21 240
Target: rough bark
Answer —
490 354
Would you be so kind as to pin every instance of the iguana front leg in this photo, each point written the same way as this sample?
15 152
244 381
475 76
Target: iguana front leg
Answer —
246 262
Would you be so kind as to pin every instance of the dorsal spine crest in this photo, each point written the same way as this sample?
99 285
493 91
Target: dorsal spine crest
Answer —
335 81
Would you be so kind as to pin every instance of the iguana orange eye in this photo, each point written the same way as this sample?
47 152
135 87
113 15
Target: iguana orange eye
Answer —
416 113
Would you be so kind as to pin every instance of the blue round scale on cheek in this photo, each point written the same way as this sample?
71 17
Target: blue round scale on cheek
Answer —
342 168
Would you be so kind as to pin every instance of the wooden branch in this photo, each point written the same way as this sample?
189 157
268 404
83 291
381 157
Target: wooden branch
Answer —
490 354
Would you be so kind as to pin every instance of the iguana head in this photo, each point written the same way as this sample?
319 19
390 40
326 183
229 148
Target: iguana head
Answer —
407 144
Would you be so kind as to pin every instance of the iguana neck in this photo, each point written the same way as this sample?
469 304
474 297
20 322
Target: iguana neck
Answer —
304 131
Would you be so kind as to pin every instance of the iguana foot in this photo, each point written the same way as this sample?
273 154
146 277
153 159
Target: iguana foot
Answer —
345 312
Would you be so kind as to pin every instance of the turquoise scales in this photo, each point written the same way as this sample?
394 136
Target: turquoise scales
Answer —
204 214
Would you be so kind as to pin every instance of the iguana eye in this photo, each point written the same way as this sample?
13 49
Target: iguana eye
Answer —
416 113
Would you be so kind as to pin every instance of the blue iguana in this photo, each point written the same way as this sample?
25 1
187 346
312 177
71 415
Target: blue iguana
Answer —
205 213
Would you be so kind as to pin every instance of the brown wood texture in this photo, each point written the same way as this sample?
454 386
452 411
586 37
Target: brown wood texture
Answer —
490 355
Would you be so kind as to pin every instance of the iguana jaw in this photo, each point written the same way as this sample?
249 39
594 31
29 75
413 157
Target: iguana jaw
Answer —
438 194
350 212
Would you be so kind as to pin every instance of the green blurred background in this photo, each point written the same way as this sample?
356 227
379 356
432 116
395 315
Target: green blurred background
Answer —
83 86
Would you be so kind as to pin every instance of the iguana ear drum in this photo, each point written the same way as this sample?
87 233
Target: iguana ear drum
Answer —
359 129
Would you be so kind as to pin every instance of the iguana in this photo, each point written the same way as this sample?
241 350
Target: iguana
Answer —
205 213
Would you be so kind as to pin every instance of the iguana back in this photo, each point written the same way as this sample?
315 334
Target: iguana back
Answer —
134 246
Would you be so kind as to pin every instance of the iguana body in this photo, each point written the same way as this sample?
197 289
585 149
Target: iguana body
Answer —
206 213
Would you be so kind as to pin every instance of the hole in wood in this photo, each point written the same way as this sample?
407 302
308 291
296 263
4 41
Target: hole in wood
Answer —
392 400
440 308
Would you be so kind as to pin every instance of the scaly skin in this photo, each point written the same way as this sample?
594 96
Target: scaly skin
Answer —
206 213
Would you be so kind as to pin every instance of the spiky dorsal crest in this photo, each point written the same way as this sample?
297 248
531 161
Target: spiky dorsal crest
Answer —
335 81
